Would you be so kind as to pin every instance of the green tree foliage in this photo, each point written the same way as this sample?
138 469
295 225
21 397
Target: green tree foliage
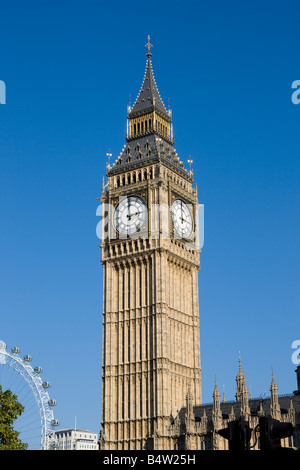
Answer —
10 409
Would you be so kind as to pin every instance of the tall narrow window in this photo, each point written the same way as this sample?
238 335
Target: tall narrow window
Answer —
141 339
123 290
123 343
128 385
141 401
146 339
128 289
123 400
140 287
146 286
150 282
128 333
147 398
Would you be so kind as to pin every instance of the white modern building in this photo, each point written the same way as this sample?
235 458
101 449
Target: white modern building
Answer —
76 439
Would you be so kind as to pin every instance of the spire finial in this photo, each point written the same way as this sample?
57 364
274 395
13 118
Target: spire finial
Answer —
148 46
109 154
190 163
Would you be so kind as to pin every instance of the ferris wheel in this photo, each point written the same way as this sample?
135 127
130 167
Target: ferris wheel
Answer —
37 392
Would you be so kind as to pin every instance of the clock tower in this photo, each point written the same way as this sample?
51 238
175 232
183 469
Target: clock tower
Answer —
150 256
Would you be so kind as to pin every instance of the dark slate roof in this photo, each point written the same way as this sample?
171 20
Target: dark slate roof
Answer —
148 149
149 97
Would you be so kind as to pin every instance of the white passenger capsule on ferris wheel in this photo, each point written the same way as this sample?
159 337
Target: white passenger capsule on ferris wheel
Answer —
46 384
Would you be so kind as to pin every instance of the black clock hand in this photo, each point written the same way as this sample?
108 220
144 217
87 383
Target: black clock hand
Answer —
129 216
128 209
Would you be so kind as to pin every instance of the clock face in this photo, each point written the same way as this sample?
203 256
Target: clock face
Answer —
130 215
182 218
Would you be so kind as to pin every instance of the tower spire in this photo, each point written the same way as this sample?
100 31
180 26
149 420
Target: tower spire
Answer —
149 98
149 130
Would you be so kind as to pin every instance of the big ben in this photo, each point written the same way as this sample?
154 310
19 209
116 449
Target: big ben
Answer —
151 258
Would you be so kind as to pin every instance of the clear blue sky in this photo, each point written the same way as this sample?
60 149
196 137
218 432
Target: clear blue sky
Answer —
227 68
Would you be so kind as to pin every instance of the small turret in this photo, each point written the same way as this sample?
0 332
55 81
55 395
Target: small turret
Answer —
274 407
242 391
216 413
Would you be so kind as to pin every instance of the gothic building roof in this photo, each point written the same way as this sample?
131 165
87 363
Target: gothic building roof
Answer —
255 406
288 406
